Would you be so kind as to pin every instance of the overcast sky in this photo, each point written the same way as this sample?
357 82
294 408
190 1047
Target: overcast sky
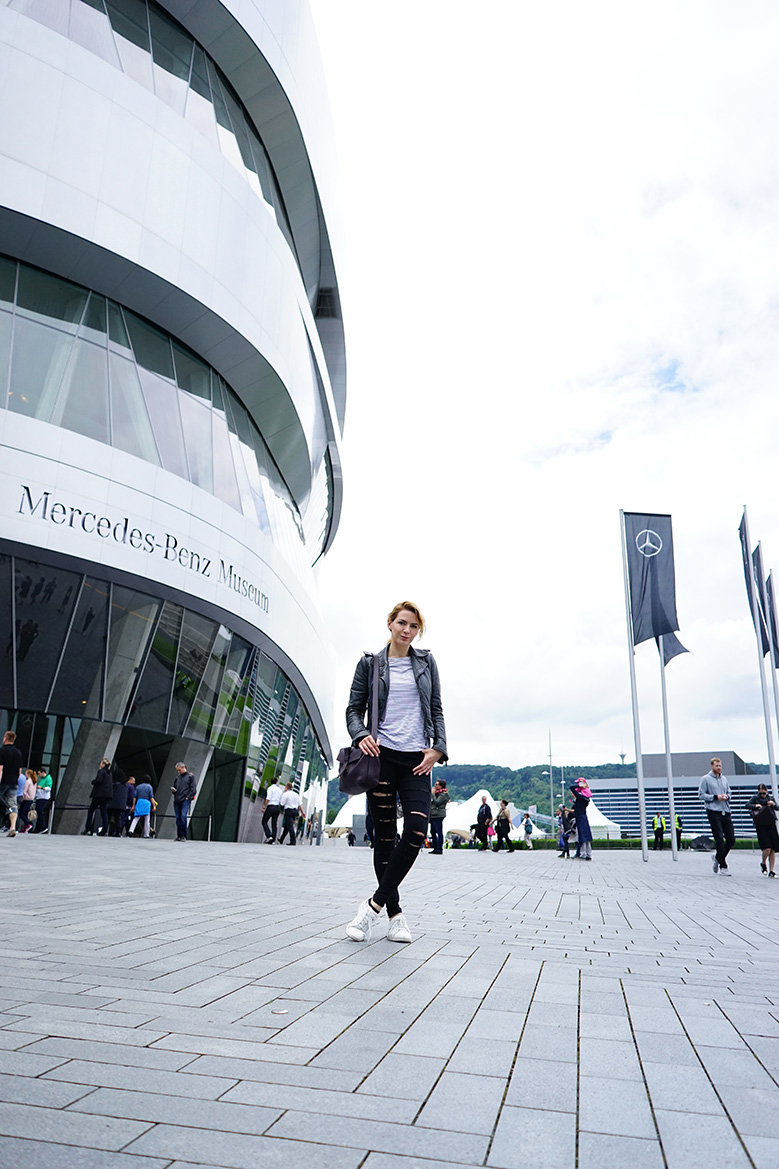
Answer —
561 297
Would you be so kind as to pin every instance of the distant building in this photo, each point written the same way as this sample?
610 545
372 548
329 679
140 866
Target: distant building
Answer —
618 798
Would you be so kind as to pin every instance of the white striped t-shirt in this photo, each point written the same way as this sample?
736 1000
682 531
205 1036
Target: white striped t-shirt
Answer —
402 728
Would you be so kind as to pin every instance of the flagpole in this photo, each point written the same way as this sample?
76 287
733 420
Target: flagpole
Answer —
634 696
759 643
773 671
668 764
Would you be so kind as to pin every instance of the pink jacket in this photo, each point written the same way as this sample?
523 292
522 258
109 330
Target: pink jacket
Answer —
30 789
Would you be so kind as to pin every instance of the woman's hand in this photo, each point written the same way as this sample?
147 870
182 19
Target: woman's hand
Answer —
429 760
369 745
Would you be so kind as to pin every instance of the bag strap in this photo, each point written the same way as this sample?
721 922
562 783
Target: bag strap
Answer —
375 698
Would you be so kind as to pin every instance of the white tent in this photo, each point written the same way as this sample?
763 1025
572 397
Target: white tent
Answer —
602 828
354 806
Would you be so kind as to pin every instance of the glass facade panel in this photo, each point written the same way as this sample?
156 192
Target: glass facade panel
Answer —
45 600
225 486
233 707
133 616
192 375
150 346
5 353
201 718
82 404
196 421
130 423
46 297
79 684
7 282
38 362
152 698
197 638
162 402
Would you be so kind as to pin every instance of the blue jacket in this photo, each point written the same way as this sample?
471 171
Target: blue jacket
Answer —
428 685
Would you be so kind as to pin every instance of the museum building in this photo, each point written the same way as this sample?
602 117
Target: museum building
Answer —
172 383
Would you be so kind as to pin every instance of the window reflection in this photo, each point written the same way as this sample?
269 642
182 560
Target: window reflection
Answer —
44 600
79 361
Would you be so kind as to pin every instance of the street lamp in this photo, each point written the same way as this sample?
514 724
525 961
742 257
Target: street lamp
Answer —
551 791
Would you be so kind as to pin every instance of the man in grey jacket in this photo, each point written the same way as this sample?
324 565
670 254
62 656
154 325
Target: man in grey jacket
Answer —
715 793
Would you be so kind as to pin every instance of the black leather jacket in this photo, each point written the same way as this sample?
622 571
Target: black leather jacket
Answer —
428 684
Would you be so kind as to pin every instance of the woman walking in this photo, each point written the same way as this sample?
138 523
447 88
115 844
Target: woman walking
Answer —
410 720
582 796
763 809
503 827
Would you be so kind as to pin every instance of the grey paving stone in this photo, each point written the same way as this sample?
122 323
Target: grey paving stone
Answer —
463 1103
151 1106
240 1048
659 1019
487 1024
681 1089
428 1037
21 1090
597 1151
714 1032
548 1043
666 1049
391 1161
380 1137
34 1154
598 1026
543 1084
528 1138
141 1079
333 1103
616 1107
266 1071
767 1051
97 1031
752 1110
618 1056
701 1140
741 1068
27 1063
87 1049
12 1040
483 1056
764 1151
239 1151
67 1128
408 1077
358 1049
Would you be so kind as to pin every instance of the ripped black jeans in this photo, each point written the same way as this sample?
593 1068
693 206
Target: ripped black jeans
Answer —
392 859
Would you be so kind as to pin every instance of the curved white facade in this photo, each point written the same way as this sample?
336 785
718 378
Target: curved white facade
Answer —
172 162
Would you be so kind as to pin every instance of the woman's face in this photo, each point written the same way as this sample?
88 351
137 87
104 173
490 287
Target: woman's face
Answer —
403 629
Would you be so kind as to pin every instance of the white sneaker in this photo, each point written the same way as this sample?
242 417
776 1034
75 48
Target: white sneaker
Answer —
715 866
359 928
398 930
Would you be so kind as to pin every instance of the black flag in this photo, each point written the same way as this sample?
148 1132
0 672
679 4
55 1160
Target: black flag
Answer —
748 570
650 552
771 601
672 647
762 604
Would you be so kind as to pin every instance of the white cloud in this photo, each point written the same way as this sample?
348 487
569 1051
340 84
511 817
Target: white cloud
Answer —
560 293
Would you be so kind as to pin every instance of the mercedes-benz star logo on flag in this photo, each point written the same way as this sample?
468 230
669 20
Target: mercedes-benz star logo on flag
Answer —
648 542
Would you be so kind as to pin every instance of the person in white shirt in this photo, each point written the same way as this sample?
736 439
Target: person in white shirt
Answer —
270 812
290 802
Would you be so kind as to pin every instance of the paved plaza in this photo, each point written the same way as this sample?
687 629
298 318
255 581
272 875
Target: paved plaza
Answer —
169 1005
